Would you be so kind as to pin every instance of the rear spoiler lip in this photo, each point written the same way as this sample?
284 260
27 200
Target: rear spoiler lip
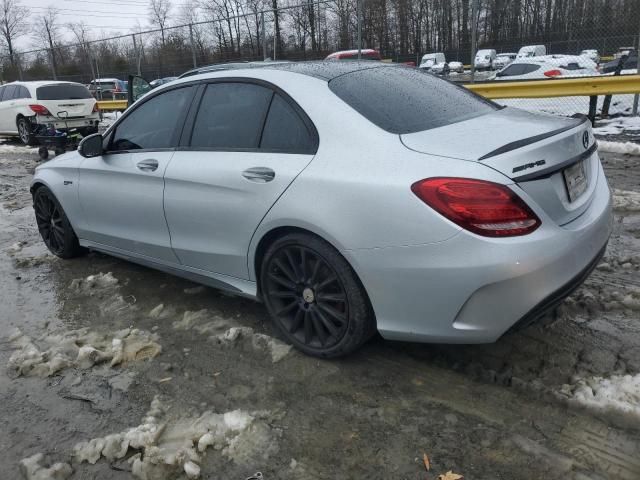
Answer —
527 141
547 172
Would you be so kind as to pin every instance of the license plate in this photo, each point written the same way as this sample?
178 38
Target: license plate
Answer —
575 178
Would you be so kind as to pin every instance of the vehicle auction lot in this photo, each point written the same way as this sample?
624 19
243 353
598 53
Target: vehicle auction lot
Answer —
509 410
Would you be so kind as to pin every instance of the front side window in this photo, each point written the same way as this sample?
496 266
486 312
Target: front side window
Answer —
231 116
156 124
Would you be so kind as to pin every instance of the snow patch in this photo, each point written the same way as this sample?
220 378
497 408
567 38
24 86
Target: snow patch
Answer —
168 447
258 341
617 126
626 200
92 283
625 148
616 397
78 348
32 470
8 148
202 321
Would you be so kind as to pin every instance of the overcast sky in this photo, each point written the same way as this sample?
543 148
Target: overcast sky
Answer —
108 16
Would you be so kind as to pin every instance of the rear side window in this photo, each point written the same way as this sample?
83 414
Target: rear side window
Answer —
284 130
407 100
156 124
518 69
231 116
62 91
8 93
22 92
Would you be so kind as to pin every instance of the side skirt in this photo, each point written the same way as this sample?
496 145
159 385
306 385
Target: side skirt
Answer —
237 286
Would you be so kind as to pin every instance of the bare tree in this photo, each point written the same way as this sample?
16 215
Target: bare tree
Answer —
47 31
159 12
79 31
12 24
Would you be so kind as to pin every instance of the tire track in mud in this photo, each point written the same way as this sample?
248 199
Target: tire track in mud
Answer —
585 443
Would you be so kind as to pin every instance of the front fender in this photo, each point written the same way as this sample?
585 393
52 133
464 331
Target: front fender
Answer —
61 176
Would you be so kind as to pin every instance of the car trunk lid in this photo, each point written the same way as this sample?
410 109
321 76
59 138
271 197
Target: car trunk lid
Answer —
553 159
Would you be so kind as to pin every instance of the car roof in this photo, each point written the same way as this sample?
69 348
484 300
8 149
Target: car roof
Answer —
40 83
229 66
552 59
328 70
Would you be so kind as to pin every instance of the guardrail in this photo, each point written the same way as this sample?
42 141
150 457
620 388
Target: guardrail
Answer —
112 105
566 87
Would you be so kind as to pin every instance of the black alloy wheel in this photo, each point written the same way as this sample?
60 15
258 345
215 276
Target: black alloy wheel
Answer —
53 225
314 297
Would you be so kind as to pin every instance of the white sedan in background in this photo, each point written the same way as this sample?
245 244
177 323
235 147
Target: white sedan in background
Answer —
503 59
548 66
456 67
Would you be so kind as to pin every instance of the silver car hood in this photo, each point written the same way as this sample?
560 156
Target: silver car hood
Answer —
476 138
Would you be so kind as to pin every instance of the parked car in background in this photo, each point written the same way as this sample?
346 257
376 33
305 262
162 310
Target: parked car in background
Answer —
108 89
440 68
243 180
27 106
456 67
503 59
593 55
532 51
630 63
624 51
430 59
365 54
548 66
161 81
484 59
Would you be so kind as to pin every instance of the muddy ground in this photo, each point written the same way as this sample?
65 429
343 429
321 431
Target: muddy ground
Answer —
502 411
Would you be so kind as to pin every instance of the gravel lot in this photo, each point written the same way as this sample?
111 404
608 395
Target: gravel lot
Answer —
560 399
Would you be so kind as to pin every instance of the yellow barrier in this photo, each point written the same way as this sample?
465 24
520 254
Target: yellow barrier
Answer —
112 105
568 87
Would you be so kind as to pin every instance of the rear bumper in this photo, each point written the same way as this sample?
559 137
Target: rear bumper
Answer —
471 289
84 122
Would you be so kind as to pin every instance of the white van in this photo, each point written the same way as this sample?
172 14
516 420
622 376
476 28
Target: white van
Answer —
25 106
431 59
484 59
532 51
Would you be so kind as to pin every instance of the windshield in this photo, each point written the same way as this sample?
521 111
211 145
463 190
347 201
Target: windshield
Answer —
406 100
68 91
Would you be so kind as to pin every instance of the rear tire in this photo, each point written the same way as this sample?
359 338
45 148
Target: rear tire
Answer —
25 132
54 226
314 297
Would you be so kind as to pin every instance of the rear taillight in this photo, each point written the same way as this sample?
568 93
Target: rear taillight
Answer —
39 109
486 208
553 73
96 109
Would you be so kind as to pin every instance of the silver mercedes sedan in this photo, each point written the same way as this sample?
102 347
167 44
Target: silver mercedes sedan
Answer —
348 197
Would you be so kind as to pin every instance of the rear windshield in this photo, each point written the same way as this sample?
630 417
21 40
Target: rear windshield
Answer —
407 100
62 92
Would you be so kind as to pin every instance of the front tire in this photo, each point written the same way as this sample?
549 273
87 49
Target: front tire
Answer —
54 226
314 297
25 132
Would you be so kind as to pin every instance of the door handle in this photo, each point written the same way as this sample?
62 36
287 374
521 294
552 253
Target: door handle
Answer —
149 165
259 174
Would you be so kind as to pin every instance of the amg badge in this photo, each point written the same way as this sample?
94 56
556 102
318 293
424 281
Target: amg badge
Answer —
519 168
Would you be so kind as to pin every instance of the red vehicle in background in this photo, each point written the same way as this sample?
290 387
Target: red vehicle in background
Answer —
365 54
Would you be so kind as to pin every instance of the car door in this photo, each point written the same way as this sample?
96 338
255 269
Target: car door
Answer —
7 110
246 146
121 192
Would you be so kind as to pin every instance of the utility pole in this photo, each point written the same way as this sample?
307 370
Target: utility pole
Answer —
137 51
474 37
193 47
635 97
275 33
264 38
359 14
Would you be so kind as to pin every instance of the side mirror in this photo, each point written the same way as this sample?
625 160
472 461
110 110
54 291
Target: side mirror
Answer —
91 146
